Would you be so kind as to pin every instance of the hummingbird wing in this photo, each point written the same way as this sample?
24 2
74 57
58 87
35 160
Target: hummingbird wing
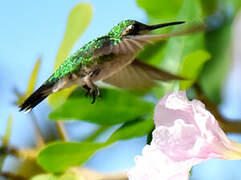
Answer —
134 43
139 75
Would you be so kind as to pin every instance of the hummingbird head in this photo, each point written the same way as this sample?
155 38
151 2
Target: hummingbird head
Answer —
132 28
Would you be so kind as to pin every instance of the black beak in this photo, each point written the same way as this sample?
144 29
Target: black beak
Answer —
153 27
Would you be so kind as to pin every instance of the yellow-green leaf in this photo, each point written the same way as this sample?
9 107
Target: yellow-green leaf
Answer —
5 138
8 130
79 19
57 99
70 174
31 83
191 67
33 78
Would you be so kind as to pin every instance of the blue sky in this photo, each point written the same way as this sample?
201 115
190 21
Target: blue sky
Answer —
30 29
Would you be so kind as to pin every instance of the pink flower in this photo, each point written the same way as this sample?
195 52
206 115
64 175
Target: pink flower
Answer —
186 134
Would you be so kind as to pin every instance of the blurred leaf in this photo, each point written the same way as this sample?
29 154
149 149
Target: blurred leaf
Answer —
209 7
6 138
215 71
8 131
79 19
160 9
57 157
234 4
219 45
70 174
33 78
115 107
58 98
179 47
191 67
45 177
132 129
31 83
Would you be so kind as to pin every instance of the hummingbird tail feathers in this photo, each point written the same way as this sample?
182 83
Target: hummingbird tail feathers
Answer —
36 97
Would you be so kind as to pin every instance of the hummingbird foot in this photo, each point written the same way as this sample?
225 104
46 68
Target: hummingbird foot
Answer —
91 90
87 89
93 93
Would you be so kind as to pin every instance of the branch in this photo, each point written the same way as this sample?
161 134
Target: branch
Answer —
8 151
89 174
62 131
228 125
40 139
9 175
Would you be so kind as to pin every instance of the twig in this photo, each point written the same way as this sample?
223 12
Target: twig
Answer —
228 125
62 131
40 139
116 176
12 176
8 151
89 174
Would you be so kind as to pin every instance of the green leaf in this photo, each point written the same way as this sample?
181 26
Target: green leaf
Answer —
160 9
132 129
57 157
115 107
179 47
192 66
219 45
215 71
79 19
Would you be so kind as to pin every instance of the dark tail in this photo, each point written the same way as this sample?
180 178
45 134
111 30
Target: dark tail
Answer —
34 99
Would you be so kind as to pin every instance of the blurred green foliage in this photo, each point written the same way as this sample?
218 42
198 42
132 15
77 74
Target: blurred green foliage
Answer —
191 67
70 174
57 157
116 107
185 55
31 83
5 139
201 58
79 19
218 43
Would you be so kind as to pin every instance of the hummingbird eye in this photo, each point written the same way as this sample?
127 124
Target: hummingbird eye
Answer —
128 30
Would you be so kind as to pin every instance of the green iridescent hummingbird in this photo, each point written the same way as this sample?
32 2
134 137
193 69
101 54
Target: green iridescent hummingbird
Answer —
110 58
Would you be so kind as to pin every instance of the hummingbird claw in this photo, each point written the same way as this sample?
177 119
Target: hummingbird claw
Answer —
98 91
87 89
93 96
92 89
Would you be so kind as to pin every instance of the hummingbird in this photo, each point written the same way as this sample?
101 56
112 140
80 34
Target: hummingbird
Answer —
111 59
